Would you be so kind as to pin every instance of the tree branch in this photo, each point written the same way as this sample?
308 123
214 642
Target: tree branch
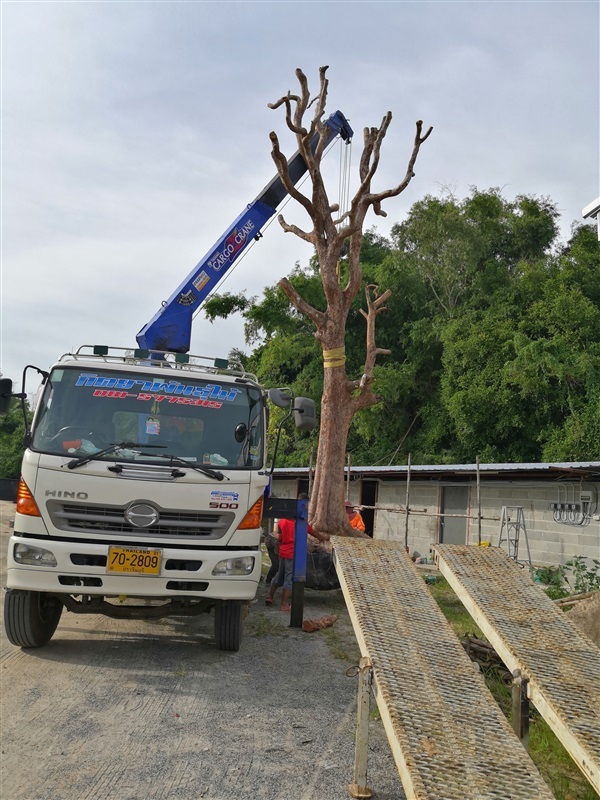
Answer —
284 173
287 100
307 237
374 307
318 317
318 115
354 271
379 136
377 198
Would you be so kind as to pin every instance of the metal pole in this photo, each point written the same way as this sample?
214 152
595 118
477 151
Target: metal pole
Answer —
521 516
299 569
478 505
407 499
348 477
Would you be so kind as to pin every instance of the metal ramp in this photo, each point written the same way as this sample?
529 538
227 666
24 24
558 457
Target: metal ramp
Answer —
532 635
448 736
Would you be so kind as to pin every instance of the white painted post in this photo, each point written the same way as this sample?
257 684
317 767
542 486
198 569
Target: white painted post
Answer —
520 708
359 787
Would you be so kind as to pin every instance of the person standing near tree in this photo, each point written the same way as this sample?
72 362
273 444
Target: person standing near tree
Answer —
354 517
272 546
284 531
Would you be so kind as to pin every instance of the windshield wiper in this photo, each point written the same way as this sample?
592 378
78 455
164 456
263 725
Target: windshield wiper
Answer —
212 473
78 462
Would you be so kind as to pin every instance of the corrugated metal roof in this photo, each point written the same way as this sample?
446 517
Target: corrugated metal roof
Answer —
558 467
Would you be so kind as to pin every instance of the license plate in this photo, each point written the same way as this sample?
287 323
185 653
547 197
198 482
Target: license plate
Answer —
130 559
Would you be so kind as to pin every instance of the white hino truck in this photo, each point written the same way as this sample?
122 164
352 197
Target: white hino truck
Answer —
144 474
141 479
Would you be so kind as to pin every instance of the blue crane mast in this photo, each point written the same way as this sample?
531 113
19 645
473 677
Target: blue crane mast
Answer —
171 327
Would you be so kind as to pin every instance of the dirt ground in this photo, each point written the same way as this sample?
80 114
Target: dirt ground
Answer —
586 615
151 710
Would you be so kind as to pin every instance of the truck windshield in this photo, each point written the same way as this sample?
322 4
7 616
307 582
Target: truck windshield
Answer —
203 421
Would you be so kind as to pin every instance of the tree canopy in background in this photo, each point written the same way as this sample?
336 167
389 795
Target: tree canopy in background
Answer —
493 327
12 432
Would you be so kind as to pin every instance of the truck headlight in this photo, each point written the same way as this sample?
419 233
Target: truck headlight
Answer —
234 566
33 556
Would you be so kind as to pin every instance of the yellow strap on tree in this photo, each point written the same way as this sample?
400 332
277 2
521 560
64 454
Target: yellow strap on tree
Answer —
334 358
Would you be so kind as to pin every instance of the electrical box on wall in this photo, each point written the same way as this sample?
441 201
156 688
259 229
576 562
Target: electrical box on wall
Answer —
576 504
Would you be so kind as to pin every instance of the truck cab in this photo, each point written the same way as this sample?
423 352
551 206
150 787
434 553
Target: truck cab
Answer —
141 494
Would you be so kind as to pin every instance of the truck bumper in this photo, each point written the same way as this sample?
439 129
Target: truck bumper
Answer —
75 576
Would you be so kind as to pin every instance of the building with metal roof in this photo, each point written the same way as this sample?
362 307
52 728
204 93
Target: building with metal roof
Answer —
554 506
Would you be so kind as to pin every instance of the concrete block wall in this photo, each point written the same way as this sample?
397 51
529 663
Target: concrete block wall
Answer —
422 528
550 542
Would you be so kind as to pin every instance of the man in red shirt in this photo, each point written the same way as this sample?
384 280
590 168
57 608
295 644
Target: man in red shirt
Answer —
285 530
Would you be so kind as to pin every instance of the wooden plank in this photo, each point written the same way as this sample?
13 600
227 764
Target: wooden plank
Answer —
447 734
532 635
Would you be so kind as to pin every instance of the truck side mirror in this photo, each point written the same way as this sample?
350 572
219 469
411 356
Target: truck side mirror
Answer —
281 397
305 416
5 394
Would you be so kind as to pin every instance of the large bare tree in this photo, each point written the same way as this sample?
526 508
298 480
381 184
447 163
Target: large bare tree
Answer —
342 396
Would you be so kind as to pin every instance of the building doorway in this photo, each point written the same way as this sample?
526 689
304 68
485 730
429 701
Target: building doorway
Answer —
302 486
368 497
455 501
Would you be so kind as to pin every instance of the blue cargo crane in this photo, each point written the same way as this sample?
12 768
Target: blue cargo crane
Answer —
171 327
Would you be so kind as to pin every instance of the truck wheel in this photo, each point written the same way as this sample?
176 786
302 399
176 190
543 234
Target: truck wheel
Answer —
30 618
228 624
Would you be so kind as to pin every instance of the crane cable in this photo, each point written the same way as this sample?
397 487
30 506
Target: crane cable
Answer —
337 356
344 194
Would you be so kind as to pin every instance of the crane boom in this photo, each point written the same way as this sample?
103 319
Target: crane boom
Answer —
171 327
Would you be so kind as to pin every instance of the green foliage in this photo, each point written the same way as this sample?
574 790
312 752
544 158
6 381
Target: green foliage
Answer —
12 431
553 580
554 763
494 333
584 578
225 304
457 615
577 576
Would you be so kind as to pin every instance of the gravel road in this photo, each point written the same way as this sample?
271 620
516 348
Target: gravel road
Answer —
151 710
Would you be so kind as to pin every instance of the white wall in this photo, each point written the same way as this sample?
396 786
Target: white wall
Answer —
551 543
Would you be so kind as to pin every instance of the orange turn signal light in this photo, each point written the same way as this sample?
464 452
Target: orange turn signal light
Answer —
253 518
25 502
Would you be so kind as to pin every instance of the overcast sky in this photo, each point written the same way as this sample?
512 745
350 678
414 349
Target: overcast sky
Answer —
134 133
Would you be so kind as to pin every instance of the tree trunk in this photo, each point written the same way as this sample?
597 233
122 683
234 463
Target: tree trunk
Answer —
327 510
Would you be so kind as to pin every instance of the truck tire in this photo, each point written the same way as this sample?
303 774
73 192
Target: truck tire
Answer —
30 618
228 624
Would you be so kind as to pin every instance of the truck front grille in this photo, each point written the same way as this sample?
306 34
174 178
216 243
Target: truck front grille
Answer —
84 518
